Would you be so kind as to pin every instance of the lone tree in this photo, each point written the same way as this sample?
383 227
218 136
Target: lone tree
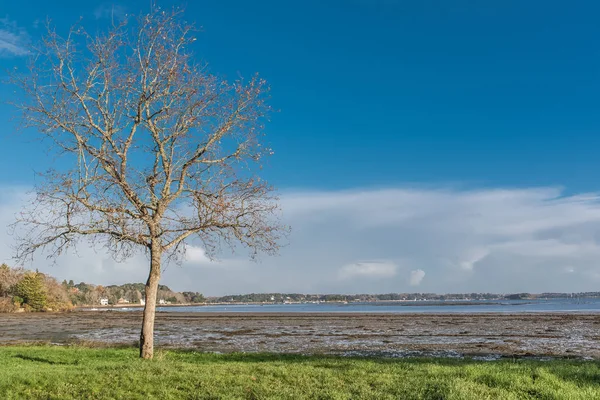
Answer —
155 151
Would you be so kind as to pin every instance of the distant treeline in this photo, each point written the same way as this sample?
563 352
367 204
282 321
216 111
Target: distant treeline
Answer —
297 297
23 290
129 293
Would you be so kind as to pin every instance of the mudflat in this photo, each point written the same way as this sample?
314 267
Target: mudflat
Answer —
393 335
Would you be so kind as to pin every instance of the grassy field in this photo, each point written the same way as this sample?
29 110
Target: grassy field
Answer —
38 372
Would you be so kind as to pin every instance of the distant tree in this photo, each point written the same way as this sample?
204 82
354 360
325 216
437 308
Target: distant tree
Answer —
193 297
31 289
172 300
57 297
161 150
112 299
8 279
198 298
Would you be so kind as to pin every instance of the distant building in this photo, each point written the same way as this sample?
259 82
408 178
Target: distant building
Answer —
104 302
143 302
122 301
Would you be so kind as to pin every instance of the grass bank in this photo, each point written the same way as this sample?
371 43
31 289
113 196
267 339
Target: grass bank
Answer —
40 372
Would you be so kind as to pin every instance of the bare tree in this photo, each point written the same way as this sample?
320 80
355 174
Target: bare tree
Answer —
159 151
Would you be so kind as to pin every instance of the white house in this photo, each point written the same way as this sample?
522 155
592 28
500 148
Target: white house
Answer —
104 302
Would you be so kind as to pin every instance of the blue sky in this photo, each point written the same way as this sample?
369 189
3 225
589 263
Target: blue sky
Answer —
382 97
374 93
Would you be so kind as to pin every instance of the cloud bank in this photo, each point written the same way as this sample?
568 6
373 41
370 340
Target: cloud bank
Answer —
368 270
426 240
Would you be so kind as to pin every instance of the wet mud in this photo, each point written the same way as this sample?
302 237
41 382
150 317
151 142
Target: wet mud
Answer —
485 336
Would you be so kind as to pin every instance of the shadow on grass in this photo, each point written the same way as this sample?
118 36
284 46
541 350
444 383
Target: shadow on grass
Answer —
44 360
579 377
579 372
302 358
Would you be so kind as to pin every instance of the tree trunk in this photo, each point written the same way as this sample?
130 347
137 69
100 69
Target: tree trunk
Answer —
151 290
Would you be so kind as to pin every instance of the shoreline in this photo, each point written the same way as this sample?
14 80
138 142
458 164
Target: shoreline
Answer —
392 306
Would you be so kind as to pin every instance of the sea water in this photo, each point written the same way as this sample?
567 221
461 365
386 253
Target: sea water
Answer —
433 307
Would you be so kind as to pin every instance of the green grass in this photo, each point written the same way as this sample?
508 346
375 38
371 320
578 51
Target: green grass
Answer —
43 372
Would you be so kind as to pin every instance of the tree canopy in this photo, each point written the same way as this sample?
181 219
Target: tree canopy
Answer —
159 150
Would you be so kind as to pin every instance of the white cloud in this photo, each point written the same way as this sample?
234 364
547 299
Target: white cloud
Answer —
14 40
110 11
416 277
471 257
374 269
492 240
196 255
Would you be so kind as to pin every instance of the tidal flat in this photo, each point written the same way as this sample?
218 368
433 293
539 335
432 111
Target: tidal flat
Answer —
482 336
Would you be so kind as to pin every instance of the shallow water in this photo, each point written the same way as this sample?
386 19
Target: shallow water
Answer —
588 305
